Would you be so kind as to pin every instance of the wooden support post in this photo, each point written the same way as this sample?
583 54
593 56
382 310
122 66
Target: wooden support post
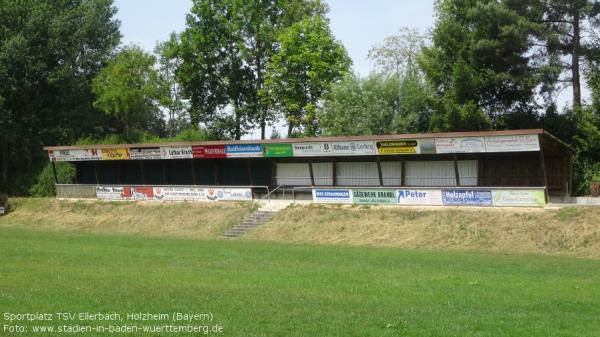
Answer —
334 166
312 176
216 172
142 172
547 196
379 171
96 173
249 168
193 171
402 173
119 173
273 173
479 171
54 173
456 173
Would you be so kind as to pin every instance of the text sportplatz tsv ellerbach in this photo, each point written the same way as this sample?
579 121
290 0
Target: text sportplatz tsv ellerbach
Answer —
81 322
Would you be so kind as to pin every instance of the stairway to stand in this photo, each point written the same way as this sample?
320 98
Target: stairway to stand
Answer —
261 216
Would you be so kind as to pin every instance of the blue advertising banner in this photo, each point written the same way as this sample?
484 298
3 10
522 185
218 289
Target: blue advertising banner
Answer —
467 197
244 150
334 196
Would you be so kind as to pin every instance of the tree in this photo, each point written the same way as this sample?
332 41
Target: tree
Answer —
478 65
308 62
222 56
569 28
398 54
128 89
49 53
169 90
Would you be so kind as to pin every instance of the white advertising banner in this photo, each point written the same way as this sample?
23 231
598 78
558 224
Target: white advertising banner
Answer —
75 155
355 148
459 145
144 153
176 152
179 193
216 194
516 143
418 197
110 193
311 149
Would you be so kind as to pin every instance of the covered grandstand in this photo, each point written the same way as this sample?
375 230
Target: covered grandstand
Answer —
520 167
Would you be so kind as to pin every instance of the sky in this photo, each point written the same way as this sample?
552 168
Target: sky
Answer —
359 24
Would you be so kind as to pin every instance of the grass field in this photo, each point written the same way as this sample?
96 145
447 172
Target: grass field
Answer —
273 289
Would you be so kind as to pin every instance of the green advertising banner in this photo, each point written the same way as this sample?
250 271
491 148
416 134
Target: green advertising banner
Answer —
278 150
374 197
535 198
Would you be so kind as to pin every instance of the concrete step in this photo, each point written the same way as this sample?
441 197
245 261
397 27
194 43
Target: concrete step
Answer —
252 221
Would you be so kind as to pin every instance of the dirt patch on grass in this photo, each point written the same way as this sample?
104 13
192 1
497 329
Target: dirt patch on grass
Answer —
178 219
573 231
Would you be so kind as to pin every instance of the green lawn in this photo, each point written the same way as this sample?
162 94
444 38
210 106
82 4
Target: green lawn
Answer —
269 289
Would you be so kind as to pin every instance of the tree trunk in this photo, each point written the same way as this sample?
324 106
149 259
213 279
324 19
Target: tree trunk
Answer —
575 61
238 121
4 163
290 129
259 76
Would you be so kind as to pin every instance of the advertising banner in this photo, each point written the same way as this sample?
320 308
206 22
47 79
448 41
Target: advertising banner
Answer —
244 150
419 197
176 152
179 193
109 193
209 151
512 143
75 155
311 149
216 194
467 197
138 193
332 196
398 147
460 145
519 198
278 150
115 154
373 196
144 153
356 148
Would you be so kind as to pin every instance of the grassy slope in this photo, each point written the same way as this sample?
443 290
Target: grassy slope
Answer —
574 231
176 219
269 289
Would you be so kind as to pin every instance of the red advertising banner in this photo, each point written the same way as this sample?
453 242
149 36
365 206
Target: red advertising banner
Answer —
138 193
209 151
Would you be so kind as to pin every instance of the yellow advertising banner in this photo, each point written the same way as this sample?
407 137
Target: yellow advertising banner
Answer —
115 154
398 147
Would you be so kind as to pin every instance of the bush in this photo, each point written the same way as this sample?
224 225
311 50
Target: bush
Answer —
44 186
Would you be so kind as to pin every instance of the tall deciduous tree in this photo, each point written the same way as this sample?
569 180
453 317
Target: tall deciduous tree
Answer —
49 53
308 62
223 54
127 88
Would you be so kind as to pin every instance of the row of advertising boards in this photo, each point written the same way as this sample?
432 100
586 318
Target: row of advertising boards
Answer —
361 196
432 197
190 193
516 143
